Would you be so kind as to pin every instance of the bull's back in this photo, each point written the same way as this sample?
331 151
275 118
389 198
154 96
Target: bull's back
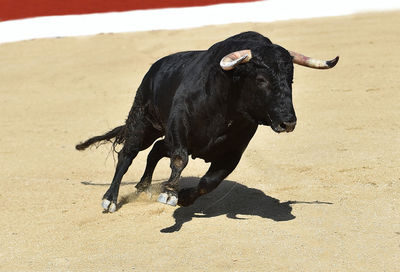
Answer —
164 78
167 73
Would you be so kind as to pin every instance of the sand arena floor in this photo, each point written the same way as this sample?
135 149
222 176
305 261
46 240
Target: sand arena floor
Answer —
323 198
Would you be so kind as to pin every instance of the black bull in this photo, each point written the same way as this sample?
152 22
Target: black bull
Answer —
207 104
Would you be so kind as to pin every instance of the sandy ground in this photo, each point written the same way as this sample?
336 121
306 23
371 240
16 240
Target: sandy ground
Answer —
323 198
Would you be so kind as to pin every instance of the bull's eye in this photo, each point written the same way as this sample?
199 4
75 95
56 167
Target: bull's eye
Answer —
262 82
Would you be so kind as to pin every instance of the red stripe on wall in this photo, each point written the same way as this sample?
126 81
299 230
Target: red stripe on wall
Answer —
18 9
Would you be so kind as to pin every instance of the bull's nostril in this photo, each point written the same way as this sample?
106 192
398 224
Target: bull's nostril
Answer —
289 126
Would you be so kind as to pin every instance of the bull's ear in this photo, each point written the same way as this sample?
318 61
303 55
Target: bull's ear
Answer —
231 60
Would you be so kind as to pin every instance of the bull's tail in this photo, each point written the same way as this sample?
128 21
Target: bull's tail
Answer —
118 133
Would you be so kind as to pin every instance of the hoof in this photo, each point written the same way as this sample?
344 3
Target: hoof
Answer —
168 198
163 198
112 208
105 204
145 190
108 206
141 189
173 200
143 185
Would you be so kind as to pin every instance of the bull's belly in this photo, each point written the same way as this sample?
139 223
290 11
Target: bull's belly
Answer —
213 150
233 140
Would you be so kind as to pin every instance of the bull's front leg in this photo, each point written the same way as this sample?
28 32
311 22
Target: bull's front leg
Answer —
218 171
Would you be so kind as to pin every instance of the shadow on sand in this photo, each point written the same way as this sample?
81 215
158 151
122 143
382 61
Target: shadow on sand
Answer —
231 198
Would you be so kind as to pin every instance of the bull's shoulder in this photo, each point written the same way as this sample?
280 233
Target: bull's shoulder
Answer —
166 74
187 70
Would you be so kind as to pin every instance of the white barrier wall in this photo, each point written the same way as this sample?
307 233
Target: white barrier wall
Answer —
177 18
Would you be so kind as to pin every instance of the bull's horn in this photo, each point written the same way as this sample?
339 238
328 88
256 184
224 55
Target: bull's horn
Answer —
231 60
313 63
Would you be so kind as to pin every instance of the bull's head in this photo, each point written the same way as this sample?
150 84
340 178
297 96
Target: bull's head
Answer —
267 83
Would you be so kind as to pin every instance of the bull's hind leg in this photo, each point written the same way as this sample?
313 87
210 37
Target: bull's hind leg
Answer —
158 152
140 137
217 172
176 139
125 158
179 160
